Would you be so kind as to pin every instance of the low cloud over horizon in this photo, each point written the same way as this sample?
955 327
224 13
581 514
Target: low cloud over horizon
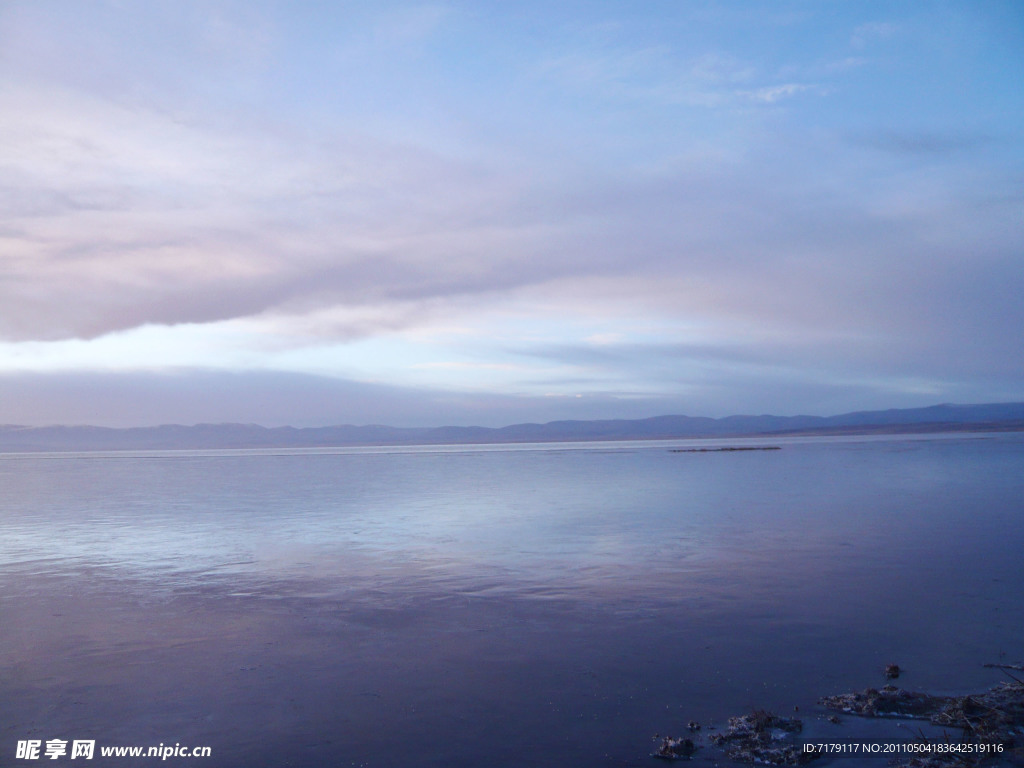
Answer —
278 399
459 213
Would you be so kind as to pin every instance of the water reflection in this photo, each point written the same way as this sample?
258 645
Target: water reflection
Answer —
464 595
636 515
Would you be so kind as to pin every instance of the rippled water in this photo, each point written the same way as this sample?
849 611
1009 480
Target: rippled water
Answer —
503 605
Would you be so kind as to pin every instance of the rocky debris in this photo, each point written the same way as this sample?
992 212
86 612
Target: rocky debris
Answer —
675 749
892 671
763 737
995 717
889 701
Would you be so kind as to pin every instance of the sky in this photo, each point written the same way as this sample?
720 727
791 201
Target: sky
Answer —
315 213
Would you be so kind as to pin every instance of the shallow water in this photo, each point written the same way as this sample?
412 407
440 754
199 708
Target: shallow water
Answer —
519 605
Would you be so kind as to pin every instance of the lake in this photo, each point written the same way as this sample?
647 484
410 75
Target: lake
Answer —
522 605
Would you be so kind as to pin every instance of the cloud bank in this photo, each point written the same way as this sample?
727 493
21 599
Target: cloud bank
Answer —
836 197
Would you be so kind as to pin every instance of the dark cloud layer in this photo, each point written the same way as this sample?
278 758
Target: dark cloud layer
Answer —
271 398
185 396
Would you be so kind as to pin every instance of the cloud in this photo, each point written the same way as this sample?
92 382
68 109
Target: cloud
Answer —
191 396
362 236
118 217
661 75
773 93
297 179
108 231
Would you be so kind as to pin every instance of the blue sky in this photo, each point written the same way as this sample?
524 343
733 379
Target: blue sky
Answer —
315 213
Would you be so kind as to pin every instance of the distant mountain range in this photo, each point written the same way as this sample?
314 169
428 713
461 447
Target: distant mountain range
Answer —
937 418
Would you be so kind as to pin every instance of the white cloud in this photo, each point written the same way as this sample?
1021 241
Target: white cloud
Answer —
773 93
604 339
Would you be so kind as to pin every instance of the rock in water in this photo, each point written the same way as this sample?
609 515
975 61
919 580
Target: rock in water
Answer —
763 737
674 749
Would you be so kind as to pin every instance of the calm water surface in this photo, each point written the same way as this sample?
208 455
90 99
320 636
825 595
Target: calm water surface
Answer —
494 605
